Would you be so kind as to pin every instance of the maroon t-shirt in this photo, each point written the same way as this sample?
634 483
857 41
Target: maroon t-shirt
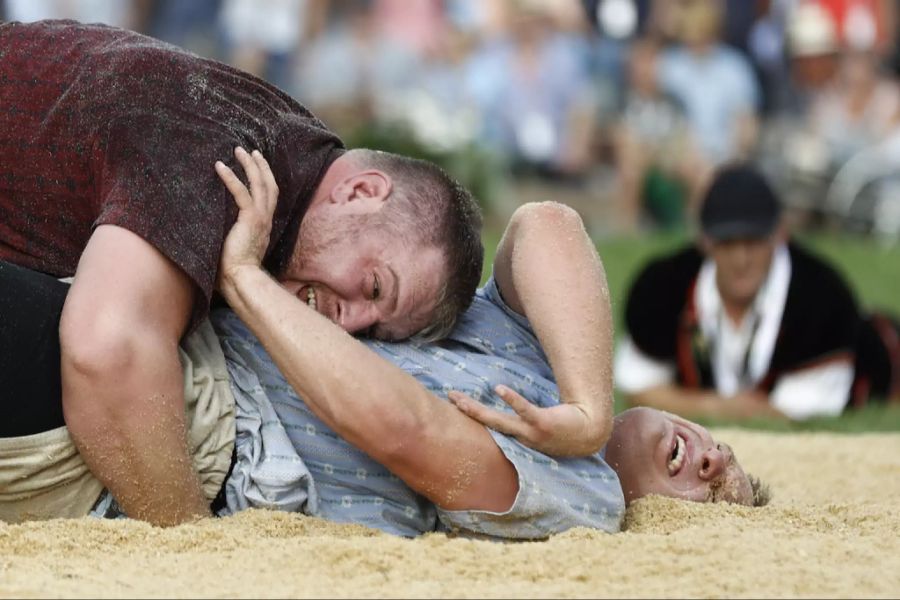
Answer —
100 125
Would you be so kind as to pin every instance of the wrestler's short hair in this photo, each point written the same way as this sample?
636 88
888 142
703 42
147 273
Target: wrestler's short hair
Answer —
432 208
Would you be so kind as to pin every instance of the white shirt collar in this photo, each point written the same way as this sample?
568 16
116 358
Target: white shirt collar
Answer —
768 307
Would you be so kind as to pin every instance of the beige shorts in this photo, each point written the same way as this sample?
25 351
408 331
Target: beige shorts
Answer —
42 476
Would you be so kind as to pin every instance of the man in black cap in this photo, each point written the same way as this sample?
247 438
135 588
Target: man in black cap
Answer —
747 323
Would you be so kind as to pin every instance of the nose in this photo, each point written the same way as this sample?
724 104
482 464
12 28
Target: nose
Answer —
357 316
714 461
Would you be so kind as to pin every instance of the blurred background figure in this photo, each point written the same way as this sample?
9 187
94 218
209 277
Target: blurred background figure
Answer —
851 106
350 69
130 15
621 109
735 326
714 83
532 86
262 36
652 146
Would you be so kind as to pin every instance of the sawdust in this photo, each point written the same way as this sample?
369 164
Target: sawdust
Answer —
832 530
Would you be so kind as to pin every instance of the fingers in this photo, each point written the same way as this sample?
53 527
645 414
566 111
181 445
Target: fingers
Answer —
268 178
234 185
495 419
254 176
263 192
517 402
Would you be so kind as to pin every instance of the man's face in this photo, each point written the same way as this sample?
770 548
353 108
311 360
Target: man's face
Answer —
741 266
655 452
362 277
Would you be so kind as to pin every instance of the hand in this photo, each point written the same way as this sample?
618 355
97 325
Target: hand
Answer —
562 430
751 404
247 241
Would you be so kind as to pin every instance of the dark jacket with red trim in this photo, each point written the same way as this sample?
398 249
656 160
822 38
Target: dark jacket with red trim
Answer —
820 320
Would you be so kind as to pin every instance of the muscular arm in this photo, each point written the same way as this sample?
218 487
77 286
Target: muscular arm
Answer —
692 404
548 270
439 452
121 378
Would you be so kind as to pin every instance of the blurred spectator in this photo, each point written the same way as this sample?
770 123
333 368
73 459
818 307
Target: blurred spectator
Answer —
351 69
417 25
263 36
189 25
126 14
535 95
857 109
742 329
714 83
852 107
651 146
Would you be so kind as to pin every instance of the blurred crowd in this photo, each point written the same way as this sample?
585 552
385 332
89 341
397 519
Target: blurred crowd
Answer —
640 98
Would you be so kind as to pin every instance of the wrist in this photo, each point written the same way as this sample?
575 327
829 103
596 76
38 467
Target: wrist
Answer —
236 282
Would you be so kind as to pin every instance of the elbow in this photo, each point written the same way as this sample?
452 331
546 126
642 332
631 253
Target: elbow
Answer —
95 353
397 440
548 213
598 434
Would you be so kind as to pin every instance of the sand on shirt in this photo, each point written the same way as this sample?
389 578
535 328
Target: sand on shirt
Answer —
833 529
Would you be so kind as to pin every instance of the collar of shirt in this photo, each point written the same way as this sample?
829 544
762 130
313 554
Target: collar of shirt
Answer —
759 328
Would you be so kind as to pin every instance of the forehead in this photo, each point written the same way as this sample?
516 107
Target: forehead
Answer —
417 280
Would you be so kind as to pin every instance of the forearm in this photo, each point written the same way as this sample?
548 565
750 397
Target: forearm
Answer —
128 425
548 269
121 378
692 403
373 404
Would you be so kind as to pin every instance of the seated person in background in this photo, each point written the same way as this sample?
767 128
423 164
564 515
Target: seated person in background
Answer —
372 443
752 325
654 152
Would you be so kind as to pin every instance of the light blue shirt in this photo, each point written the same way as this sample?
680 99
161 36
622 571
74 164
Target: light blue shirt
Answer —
714 89
287 459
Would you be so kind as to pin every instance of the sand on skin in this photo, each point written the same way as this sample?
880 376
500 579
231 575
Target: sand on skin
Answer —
833 529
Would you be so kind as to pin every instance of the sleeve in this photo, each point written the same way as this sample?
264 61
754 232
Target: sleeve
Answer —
746 90
554 496
656 301
491 292
157 180
821 320
636 372
814 392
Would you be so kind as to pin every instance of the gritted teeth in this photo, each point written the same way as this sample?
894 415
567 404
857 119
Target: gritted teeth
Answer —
311 297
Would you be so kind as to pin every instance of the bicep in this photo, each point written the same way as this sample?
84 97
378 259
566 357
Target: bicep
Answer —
123 282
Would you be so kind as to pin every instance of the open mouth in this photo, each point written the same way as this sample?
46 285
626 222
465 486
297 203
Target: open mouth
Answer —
311 298
677 454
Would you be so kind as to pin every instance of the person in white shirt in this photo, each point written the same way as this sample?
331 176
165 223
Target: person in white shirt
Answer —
747 323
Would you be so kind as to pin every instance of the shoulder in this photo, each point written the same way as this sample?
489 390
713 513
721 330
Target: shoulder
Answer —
813 280
657 298
667 273
820 314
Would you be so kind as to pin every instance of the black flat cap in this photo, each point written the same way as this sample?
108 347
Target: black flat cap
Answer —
739 204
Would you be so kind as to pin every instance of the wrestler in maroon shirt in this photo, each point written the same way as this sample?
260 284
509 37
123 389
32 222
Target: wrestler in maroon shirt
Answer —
107 145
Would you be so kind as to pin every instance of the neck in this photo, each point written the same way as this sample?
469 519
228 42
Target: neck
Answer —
736 310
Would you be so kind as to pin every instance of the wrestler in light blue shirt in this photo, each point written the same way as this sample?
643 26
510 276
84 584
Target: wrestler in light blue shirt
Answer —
287 459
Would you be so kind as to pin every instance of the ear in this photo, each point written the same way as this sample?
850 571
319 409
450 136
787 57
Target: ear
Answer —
705 243
363 191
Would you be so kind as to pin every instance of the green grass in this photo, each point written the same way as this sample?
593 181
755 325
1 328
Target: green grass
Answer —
872 270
